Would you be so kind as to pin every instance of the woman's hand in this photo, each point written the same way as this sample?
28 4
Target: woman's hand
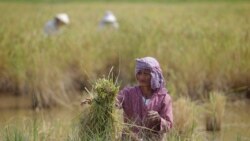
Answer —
153 117
87 101
118 104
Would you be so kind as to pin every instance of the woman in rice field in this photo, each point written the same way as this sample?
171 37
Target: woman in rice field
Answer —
147 107
53 26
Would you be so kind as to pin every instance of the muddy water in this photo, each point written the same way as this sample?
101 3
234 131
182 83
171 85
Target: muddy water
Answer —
236 122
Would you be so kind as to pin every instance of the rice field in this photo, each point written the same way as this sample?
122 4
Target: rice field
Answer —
202 47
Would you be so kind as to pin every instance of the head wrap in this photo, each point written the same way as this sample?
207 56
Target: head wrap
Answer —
157 80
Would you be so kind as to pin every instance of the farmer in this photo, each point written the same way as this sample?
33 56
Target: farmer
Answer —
147 107
109 19
148 104
53 26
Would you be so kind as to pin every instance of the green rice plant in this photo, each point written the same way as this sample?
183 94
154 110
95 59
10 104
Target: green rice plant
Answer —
99 122
20 133
35 128
14 134
215 109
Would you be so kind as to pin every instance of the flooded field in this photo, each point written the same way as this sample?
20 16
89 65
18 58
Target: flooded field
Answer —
235 125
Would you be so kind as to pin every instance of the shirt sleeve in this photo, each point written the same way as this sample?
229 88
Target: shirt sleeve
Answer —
166 114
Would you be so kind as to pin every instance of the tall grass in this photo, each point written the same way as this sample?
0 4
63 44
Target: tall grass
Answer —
23 132
215 111
185 118
37 127
201 47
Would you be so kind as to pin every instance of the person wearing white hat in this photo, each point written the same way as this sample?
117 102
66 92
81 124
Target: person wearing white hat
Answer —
109 19
53 26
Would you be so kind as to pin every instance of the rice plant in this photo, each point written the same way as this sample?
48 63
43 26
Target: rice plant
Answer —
215 111
14 134
42 67
185 118
99 122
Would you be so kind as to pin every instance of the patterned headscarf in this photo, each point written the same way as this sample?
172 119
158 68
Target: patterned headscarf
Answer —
157 80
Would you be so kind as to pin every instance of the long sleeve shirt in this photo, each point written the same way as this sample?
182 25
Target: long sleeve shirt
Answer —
135 109
51 28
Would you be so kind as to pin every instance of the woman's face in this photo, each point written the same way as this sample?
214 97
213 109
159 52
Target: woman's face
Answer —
144 78
59 23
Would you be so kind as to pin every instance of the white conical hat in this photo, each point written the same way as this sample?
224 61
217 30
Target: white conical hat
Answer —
63 17
109 17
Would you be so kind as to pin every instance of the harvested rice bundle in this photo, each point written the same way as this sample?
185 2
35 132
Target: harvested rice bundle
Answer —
99 122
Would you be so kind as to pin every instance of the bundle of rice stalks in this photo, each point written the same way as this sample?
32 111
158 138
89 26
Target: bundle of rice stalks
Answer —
215 111
185 114
99 122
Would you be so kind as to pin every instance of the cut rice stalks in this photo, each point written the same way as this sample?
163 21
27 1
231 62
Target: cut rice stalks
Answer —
99 122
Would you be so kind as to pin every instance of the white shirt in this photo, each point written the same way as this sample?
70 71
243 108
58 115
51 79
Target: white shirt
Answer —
145 101
51 28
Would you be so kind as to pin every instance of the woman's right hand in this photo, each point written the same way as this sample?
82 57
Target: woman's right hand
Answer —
87 101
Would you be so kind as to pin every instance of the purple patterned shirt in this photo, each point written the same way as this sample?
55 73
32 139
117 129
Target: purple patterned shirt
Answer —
135 109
